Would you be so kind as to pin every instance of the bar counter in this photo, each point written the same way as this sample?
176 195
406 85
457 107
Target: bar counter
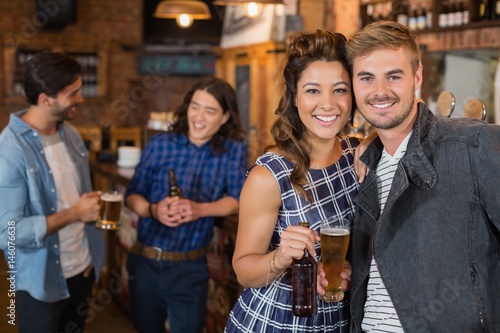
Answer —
223 286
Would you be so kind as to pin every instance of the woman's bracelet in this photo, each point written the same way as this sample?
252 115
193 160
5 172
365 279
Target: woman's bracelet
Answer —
271 264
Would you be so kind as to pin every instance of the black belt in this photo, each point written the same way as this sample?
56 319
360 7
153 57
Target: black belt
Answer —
158 254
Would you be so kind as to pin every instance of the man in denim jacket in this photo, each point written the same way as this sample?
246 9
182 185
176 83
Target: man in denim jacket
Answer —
52 253
426 232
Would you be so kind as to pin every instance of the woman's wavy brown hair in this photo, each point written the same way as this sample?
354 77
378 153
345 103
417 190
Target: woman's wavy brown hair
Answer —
226 97
288 131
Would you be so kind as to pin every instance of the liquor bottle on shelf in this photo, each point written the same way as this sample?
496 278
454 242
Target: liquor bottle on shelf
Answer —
443 16
369 14
380 12
412 22
422 18
304 292
465 12
451 14
175 190
497 10
429 18
402 13
487 10
459 14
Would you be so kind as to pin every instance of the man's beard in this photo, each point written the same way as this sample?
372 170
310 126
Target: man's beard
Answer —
63 114
383 123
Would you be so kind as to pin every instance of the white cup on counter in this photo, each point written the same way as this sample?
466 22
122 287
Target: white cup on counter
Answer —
128 156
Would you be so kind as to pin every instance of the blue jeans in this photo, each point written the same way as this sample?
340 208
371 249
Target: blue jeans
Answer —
65 316
165 289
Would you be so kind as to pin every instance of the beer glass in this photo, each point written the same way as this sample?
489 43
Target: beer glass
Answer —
109 213
334 234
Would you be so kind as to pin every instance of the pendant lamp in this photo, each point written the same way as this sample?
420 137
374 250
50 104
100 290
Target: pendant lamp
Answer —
250 8
184 11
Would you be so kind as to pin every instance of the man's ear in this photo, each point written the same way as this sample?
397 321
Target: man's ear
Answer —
419 76
44 100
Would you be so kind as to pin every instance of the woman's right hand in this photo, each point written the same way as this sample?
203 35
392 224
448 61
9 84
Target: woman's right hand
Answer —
359 167
294 240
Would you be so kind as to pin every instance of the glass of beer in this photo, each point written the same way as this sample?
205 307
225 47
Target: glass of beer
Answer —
109 213
334 234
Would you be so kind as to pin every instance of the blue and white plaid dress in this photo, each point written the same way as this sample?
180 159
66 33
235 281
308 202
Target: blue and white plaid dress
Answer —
269 309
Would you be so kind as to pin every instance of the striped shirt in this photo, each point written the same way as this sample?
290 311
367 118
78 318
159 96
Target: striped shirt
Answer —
203 175
380 314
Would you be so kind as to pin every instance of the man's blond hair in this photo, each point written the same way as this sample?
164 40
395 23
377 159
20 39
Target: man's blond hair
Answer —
383 35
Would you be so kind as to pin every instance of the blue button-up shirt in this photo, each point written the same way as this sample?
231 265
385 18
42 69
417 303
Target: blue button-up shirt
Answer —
27 196
202 174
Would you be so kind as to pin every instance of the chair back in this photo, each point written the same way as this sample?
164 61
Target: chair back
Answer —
127 134
475 108
92 137
445 103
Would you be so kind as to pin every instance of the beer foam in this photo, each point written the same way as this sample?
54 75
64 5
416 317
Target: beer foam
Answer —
335 232
112 197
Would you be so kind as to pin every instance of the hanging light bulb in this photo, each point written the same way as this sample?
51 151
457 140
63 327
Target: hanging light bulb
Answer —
252 9
184 20
184 11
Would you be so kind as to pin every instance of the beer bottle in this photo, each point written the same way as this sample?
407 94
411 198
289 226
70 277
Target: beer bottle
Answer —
465 12
412 22
175 190
422 18
443 16
304 291
497 10
402 16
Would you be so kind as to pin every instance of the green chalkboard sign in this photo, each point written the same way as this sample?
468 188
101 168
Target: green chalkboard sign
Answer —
177 64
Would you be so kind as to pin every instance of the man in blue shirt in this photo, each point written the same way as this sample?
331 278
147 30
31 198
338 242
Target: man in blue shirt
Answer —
54 254
168 268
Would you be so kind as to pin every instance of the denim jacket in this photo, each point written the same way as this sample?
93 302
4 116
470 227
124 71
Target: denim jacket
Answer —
437 243
27 196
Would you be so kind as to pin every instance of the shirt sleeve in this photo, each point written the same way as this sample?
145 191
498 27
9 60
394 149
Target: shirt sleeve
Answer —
15 227
143 177
237 169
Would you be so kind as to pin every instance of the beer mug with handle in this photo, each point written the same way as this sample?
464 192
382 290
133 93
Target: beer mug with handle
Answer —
334 234
109 214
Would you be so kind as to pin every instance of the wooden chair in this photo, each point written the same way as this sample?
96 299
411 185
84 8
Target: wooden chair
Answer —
445 103
127 134
475 108
91 136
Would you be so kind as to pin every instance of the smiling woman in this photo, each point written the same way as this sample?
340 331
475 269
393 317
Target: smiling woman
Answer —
305 176
323 99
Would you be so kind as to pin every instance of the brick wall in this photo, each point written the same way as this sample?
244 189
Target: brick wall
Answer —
115 25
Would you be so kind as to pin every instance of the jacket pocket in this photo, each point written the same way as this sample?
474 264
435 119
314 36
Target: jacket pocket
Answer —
35 182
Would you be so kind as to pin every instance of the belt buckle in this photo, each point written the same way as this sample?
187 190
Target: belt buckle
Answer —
159 251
